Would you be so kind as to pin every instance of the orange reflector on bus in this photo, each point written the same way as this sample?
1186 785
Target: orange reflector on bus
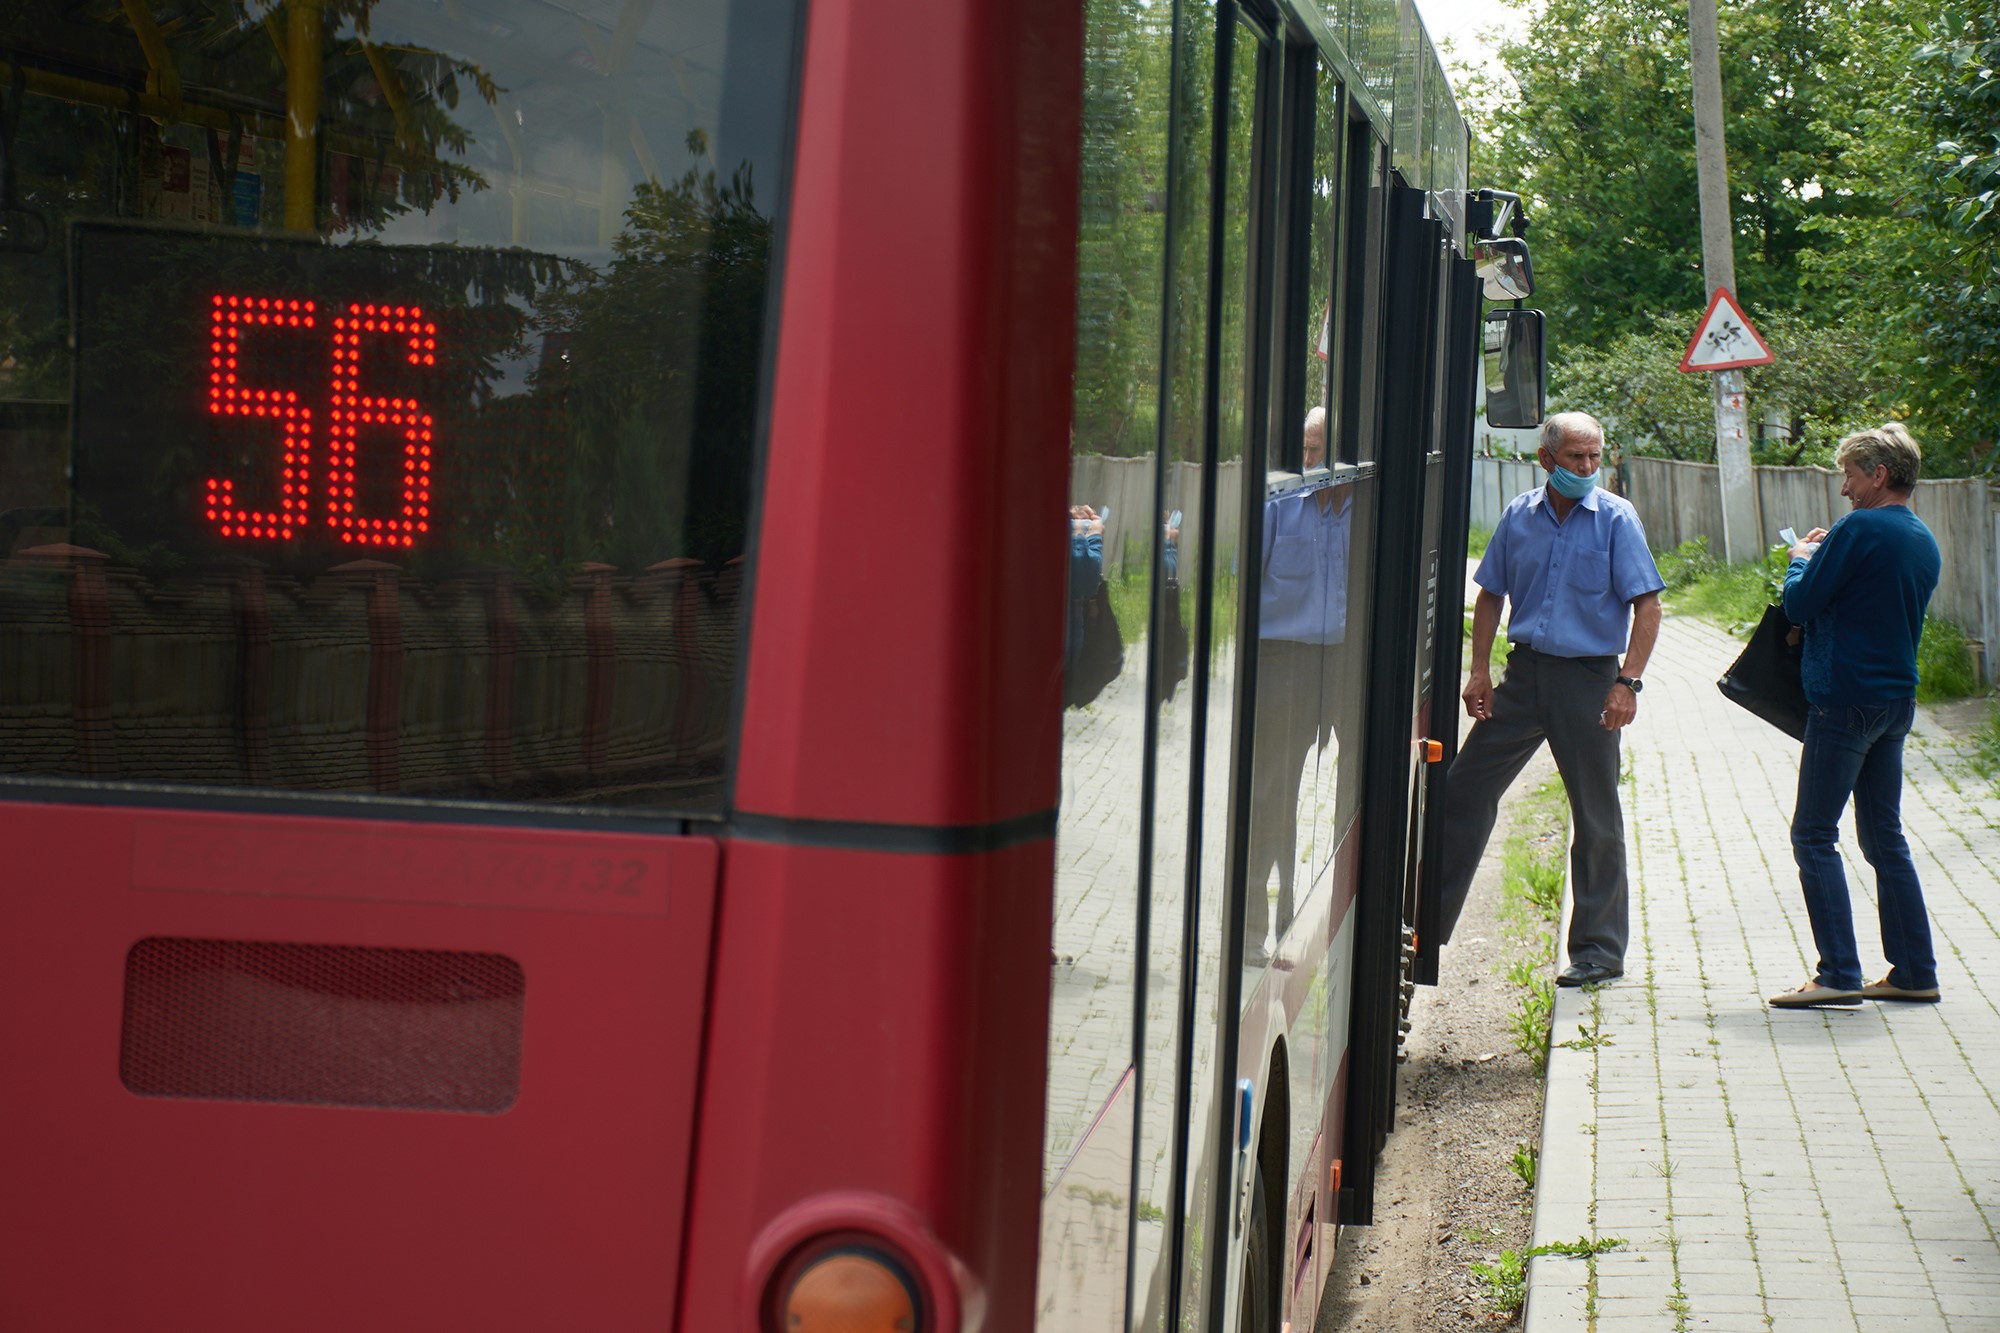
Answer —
1433 751
850 1291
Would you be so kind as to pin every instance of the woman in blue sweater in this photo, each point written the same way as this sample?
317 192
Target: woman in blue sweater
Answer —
1860 590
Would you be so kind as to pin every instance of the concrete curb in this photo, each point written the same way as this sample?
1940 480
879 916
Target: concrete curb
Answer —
1565 1181
1566 1170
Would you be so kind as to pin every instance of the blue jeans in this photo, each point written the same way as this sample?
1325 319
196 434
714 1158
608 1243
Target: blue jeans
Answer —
1858 749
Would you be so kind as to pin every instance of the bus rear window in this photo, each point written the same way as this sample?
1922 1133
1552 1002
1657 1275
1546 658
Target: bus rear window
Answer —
379 390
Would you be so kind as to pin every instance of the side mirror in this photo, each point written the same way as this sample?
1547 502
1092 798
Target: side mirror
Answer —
1504 270
1517 389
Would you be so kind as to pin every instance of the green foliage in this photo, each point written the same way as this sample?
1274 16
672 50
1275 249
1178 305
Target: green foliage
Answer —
1687 563
1583 1247
1476 541
1944 663
1817 390
1532 886
1864 158
671 332
1986 745
1587 1038
1496 656
1606 161
1121 233
1505 1280
1524 1161
1530 1020
1734 595
1963 293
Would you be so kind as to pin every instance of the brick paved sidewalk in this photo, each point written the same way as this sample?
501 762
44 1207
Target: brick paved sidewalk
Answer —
1808 1170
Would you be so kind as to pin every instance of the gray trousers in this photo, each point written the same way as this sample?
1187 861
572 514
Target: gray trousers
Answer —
1557 699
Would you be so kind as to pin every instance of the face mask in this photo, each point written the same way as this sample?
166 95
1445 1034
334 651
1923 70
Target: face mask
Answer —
1569 485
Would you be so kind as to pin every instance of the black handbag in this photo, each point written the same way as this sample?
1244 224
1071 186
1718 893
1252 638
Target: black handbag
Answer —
1098 655
1765 677
1173 644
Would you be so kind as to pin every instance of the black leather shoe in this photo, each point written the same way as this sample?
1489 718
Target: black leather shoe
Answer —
1588 974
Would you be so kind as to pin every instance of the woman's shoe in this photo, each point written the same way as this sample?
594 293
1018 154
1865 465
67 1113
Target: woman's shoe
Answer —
1882 990
1812 995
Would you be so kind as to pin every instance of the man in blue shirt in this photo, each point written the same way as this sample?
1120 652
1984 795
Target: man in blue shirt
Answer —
1302 630
1572 561
1861 591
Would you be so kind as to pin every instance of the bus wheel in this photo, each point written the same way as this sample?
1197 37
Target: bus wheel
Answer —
1259 1311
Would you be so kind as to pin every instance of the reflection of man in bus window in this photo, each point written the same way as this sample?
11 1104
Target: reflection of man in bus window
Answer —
1315 439
1302 600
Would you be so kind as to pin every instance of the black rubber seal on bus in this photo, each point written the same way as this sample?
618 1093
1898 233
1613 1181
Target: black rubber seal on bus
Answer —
904 839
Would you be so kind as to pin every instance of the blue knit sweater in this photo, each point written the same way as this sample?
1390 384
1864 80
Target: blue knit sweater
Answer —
1861 598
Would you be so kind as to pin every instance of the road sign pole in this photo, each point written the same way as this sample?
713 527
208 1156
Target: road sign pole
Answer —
1741 538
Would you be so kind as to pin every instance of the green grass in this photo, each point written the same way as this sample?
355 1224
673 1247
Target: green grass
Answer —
1496 657
1476 540
1531 888
1944 663
1735 596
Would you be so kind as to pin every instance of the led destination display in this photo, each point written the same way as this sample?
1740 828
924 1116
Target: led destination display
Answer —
304 404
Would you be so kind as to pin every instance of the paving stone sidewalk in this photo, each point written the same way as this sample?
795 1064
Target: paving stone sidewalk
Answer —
1807 1170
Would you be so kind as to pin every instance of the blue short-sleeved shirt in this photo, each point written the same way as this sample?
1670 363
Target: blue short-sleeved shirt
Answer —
1303 596
1570 585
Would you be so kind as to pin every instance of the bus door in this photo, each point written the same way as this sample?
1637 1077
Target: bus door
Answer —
1459 370
1401 672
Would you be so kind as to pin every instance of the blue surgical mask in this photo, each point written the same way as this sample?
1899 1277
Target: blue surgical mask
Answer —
1571 486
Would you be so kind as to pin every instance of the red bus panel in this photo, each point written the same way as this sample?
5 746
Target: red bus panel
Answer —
193 982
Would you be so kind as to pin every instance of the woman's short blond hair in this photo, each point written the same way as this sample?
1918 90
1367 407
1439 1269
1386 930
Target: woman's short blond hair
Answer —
1887 445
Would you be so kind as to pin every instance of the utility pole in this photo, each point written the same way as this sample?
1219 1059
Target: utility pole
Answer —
1741 538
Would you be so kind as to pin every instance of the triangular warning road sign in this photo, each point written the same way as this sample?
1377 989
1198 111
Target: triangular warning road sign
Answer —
1725 339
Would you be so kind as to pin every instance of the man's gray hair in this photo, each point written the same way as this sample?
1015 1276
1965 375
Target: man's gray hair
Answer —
1887 445
1565 424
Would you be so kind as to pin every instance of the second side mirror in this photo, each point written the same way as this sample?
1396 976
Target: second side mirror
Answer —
1517 389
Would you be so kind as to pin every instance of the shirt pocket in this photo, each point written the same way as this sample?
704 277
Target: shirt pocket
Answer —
1591 572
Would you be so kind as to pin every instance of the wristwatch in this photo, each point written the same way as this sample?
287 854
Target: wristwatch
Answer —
1632 683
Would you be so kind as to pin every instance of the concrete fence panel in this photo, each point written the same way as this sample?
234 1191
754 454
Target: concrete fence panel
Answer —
1125 485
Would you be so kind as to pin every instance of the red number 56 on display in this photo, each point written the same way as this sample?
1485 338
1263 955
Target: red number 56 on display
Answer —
308 485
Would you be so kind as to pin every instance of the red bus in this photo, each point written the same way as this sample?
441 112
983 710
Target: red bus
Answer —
716 665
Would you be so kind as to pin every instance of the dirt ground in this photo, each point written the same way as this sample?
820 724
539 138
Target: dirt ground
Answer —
1447 1196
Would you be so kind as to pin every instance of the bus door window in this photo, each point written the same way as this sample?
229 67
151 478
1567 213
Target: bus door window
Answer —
1112 530
1307 533
1336 764
1237 369
1182 962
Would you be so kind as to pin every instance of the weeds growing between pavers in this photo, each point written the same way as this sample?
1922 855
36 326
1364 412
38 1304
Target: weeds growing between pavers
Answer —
1505 1280
1532 861
1531 888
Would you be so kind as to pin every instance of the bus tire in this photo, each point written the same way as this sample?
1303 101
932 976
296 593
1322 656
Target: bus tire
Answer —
1258 1312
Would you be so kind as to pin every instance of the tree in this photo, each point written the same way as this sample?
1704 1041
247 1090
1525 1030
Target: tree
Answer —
1816 390
1599 140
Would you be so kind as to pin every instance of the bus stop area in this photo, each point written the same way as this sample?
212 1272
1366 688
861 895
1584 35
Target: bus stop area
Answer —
1822 1170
